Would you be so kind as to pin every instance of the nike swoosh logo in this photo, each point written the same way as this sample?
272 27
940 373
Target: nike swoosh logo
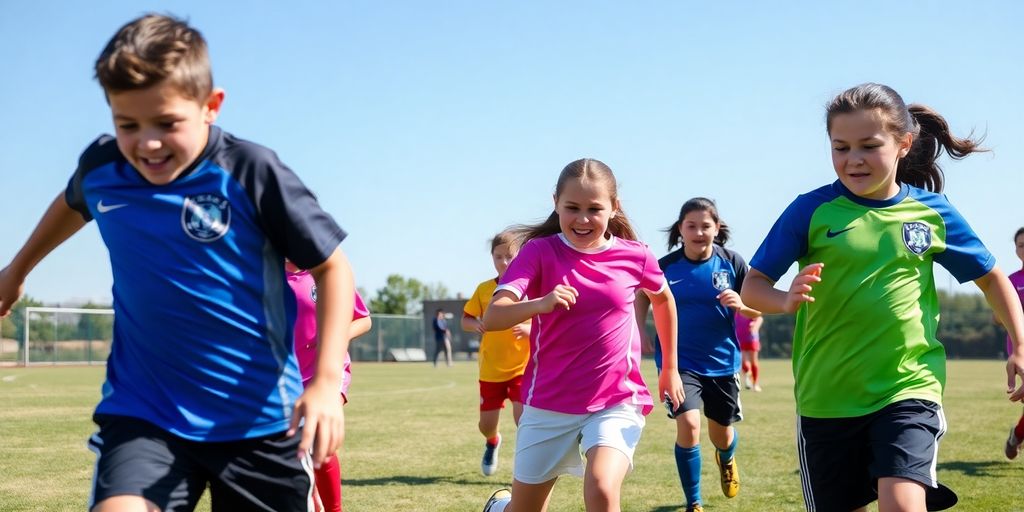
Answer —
833 234
675 282
104 208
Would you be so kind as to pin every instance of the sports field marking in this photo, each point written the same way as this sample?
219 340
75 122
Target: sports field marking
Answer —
9 378
449 385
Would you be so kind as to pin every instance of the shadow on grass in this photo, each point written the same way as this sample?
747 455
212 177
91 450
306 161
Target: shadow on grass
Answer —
669 508
980 468
412 481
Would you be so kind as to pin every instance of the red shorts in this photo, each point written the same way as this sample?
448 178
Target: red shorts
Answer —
753 345
493 394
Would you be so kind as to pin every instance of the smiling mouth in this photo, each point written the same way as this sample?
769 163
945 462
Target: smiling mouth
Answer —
582 232
155 161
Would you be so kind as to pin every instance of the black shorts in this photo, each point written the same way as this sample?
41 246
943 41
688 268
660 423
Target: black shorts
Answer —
137 458
720 397
841 459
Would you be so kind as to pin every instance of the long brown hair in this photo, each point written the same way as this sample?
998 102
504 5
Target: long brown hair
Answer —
931 132
584 169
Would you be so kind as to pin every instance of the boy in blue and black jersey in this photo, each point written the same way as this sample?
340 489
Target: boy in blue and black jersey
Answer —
202 385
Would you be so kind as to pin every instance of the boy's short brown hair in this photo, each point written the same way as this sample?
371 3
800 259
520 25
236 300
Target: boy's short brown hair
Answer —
154 48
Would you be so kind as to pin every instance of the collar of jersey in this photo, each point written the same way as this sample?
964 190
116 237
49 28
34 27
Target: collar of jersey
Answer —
601 248
872 203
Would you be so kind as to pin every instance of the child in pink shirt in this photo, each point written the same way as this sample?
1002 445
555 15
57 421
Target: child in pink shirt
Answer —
582 389
328 477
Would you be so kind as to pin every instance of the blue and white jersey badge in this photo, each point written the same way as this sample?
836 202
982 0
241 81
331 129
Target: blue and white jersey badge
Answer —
205 217
917 236
312 293
720 280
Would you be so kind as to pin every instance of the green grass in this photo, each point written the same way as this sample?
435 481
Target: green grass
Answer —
412 444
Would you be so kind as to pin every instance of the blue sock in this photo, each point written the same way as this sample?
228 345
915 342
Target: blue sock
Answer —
727 454
688 465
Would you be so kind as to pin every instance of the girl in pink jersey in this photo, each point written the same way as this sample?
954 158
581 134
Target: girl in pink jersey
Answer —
747 333
1016 437
582 390
327 488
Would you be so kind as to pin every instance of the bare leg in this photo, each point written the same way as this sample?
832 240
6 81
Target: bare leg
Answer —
900 495
602 482
530 497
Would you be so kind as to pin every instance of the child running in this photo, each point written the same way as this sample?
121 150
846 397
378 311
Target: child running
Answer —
202 385
1016 437
328 476
583 391
705 279
869 371
503 355
748 333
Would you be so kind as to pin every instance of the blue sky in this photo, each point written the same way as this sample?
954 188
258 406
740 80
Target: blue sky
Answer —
426 127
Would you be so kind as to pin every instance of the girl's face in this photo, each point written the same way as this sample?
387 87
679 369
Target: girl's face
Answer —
865 155
699 230
584 209
1019 242
502 256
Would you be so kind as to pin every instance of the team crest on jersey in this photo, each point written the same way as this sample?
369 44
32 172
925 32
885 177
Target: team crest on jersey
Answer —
205 217
917 236
720 280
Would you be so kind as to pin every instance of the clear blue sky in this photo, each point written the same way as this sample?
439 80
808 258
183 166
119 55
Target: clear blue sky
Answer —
426 127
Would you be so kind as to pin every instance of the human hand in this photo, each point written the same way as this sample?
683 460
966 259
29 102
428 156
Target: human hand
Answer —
521 330
562 296
671 387
11 287
730 299
1015 368
324 429
800 289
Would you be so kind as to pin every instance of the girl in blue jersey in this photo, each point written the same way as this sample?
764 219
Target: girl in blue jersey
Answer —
705 279
869 371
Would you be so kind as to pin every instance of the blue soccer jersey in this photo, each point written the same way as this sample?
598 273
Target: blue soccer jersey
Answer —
203 322
707 330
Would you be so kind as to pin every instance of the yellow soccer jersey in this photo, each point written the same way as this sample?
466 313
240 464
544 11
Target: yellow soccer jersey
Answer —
502 356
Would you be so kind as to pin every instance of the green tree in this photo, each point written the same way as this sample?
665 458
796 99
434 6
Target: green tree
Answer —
405 296
95 327
13 326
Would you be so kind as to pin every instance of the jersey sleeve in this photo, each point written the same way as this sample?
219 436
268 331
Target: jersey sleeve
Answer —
739 267
965 256
523 271
290 214
103 150
652 278
473 306
787 240
360 310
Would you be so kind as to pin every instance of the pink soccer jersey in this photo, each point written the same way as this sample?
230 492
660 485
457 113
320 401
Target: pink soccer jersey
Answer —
587 358
303 285
1017 280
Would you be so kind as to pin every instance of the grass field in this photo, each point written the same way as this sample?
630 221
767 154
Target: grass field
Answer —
412 444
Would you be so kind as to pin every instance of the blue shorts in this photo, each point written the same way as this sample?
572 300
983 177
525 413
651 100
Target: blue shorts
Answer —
137 458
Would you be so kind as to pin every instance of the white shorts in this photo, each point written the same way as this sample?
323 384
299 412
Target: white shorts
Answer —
549 444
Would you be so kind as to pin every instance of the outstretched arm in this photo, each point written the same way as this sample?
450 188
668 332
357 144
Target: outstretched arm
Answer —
759 290
666 323
1003 300
57 225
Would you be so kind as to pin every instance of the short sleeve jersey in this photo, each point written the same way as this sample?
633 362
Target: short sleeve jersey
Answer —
586 358
707 342
1017 280
306 340
868 339
502 355
202 343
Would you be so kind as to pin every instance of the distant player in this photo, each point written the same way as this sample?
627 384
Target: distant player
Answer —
705 279
503 355
748 334
202 386
577 276
869 371
328 475
1016 437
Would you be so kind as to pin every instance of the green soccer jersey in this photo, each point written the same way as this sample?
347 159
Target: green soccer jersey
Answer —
868 339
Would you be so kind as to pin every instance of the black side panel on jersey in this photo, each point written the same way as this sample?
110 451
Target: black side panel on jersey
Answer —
739 265
290 214
670 258
102 151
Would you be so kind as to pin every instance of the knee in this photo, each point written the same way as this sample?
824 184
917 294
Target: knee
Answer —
599 492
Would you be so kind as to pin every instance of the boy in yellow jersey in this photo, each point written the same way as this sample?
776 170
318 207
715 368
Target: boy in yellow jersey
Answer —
503 356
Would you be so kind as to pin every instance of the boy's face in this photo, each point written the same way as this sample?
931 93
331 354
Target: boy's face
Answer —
160 131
